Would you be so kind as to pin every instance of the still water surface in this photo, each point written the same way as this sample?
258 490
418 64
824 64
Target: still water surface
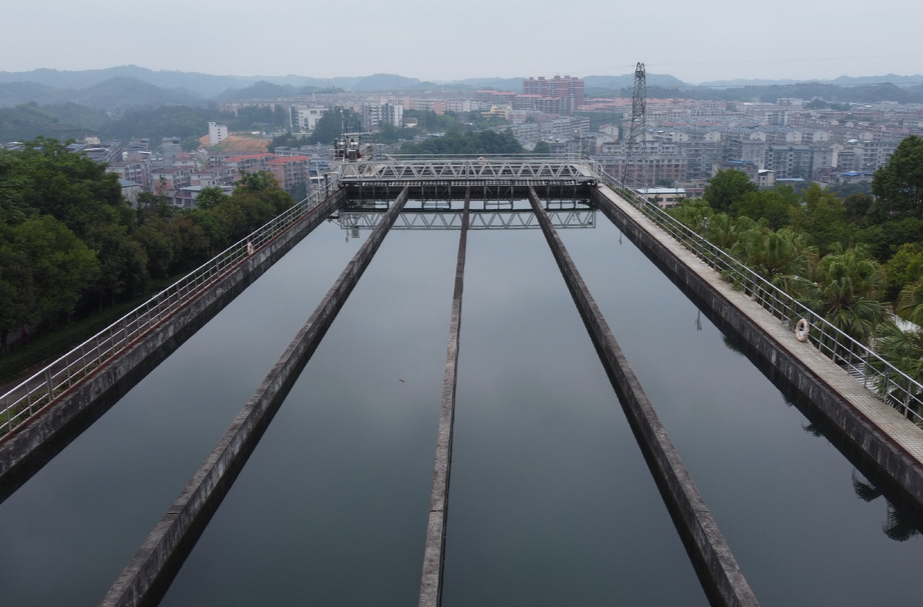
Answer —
551 502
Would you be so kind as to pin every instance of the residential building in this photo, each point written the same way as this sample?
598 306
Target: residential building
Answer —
376 114
216 133
568 90
171 146
304 117
290 171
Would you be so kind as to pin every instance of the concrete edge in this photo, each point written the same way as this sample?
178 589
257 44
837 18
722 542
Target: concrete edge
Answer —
725 580
434 552
149 573
859 434
35 442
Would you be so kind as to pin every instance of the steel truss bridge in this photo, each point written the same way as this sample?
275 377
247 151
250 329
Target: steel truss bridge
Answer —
483 178
451 219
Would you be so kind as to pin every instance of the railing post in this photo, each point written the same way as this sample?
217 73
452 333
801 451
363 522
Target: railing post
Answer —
49 384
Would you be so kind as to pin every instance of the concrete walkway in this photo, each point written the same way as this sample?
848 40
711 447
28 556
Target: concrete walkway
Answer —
891 428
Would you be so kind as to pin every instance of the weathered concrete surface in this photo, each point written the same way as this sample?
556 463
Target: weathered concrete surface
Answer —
434 553
886 439
33 443
148 576
717 568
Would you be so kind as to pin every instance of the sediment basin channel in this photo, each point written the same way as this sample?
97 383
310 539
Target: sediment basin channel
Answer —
551 502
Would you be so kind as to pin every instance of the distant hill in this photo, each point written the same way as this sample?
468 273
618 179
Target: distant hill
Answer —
14 93
260 90
498 84
628 80
115 94
28 121
267 90
902 81
122 93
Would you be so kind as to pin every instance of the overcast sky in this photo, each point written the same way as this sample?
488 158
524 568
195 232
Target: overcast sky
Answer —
694 41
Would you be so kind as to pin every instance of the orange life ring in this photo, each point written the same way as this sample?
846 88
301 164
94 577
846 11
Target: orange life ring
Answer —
802 329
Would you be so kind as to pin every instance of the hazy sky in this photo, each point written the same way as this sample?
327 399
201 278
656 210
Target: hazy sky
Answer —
694 41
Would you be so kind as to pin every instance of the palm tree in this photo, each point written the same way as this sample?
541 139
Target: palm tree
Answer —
910 302
774 254
845 292
900 525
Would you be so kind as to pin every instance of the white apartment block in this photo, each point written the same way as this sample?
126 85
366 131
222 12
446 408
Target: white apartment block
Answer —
216 133
304 118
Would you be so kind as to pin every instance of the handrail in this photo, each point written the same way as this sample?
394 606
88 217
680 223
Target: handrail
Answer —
24 400
887 382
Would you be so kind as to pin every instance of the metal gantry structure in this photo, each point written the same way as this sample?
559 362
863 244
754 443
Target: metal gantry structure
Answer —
451 219
635 167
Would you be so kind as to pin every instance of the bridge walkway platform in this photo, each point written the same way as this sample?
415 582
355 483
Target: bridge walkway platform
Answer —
883 432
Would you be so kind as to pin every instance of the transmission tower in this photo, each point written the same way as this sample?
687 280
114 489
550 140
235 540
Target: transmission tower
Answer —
636 162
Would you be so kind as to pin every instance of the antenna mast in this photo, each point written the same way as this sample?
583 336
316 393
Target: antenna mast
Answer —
636 162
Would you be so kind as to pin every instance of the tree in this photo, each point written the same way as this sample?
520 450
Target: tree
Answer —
158 247
726 188
541 147
904 268
209 198
899 184
845 292
122 261
334 123
822 218
772 205
459 142
45 178
773 254
60 266
856 207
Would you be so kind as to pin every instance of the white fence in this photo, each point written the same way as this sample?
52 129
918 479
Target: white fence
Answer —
885 380
28 397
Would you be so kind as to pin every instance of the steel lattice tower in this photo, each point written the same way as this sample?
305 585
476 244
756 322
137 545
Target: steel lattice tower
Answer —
636 162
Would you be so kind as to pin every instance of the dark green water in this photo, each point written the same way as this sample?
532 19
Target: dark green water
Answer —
551 502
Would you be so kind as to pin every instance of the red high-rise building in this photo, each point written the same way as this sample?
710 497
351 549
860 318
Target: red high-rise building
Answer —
567 88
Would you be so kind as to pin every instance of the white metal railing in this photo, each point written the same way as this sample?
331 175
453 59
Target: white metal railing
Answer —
886 381
28 397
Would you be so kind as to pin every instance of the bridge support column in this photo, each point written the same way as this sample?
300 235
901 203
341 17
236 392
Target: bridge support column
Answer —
434 554
149 574
715 564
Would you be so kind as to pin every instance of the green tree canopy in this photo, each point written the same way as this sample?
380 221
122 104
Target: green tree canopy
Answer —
726 188
899 184
334 123
458 142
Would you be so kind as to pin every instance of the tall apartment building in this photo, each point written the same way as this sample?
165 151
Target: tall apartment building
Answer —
290 171
566 88
304 117
216 133
376 114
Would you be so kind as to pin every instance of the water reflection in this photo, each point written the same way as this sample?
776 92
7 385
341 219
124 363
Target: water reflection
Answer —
901 524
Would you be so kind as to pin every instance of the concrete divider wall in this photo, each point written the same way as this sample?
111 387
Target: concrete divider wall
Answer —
150 572
35 442
893 460
716 566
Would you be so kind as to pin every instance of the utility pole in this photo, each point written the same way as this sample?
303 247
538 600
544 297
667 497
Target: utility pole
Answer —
637 150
